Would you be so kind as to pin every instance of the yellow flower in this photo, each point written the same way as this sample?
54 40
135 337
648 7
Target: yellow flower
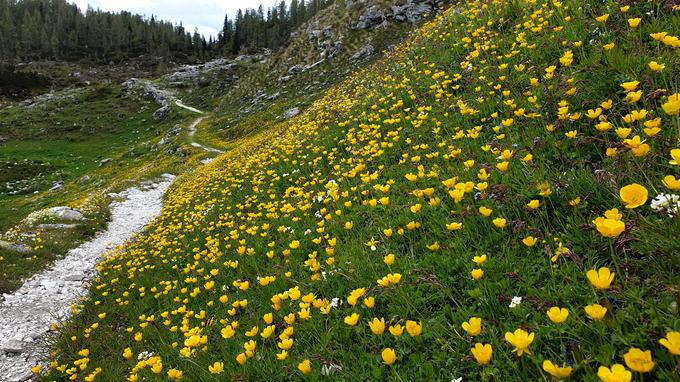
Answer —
305 366
609 227
477 273
638 360
601 279
595 311
282 356
633 195
352 319
521 340
625 8
377 325
479 260
571 134
396 330
675 157
556 371
127 353
672 105
473 327
656 67
175 374
499 222
413 328
482 353
533 204
671 342
630 85
216 368
485 211
389 356
529 241
558 315
617 373
36 369
294 244
389 259
602 18
634 22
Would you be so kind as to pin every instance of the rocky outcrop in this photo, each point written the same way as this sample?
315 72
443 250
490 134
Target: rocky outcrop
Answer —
375 17
363 53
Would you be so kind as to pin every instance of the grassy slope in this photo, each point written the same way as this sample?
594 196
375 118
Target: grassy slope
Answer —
369 171
63 141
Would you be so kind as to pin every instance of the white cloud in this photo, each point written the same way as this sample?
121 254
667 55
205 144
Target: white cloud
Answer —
206 15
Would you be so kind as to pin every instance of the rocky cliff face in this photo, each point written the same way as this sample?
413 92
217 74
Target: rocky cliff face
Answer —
346 29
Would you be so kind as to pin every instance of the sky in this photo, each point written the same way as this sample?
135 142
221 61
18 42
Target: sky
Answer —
206 15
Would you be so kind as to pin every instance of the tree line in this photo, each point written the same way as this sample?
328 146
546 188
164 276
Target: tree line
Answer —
56 29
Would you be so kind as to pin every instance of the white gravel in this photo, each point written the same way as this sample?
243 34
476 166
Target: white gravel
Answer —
26 315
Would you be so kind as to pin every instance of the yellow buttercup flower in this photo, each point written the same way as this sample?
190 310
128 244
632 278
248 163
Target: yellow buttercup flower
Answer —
216 368
634 22
521 340
352 319
656 67
389 356
473 326
413 328
617 373
672 183
609 227
529 241
556 371
377 325
305 366
671 342
672 105
638 360
600 279
603 18
595 311
558 315
633 195
477 273
675 157
482 353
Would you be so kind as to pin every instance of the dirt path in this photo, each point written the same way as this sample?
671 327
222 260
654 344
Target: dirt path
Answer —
26 315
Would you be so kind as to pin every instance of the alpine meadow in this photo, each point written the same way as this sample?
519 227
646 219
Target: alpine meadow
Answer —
491 192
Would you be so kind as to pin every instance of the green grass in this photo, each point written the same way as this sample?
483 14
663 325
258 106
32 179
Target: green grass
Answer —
65 141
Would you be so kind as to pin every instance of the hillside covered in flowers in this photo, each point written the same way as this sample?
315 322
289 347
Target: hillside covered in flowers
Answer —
496 200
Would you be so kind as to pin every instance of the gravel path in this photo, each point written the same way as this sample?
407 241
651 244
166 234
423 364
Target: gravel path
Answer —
26 315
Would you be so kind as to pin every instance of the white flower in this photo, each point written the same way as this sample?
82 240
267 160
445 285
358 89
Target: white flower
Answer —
515 301
329 369
670 203
457 380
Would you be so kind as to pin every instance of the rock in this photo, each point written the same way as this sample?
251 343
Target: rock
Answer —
57 185
105 161
66 213
161 113
296 69
291 113
57 226
13 346
364 52
371 17
284 78
20 248
74 277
